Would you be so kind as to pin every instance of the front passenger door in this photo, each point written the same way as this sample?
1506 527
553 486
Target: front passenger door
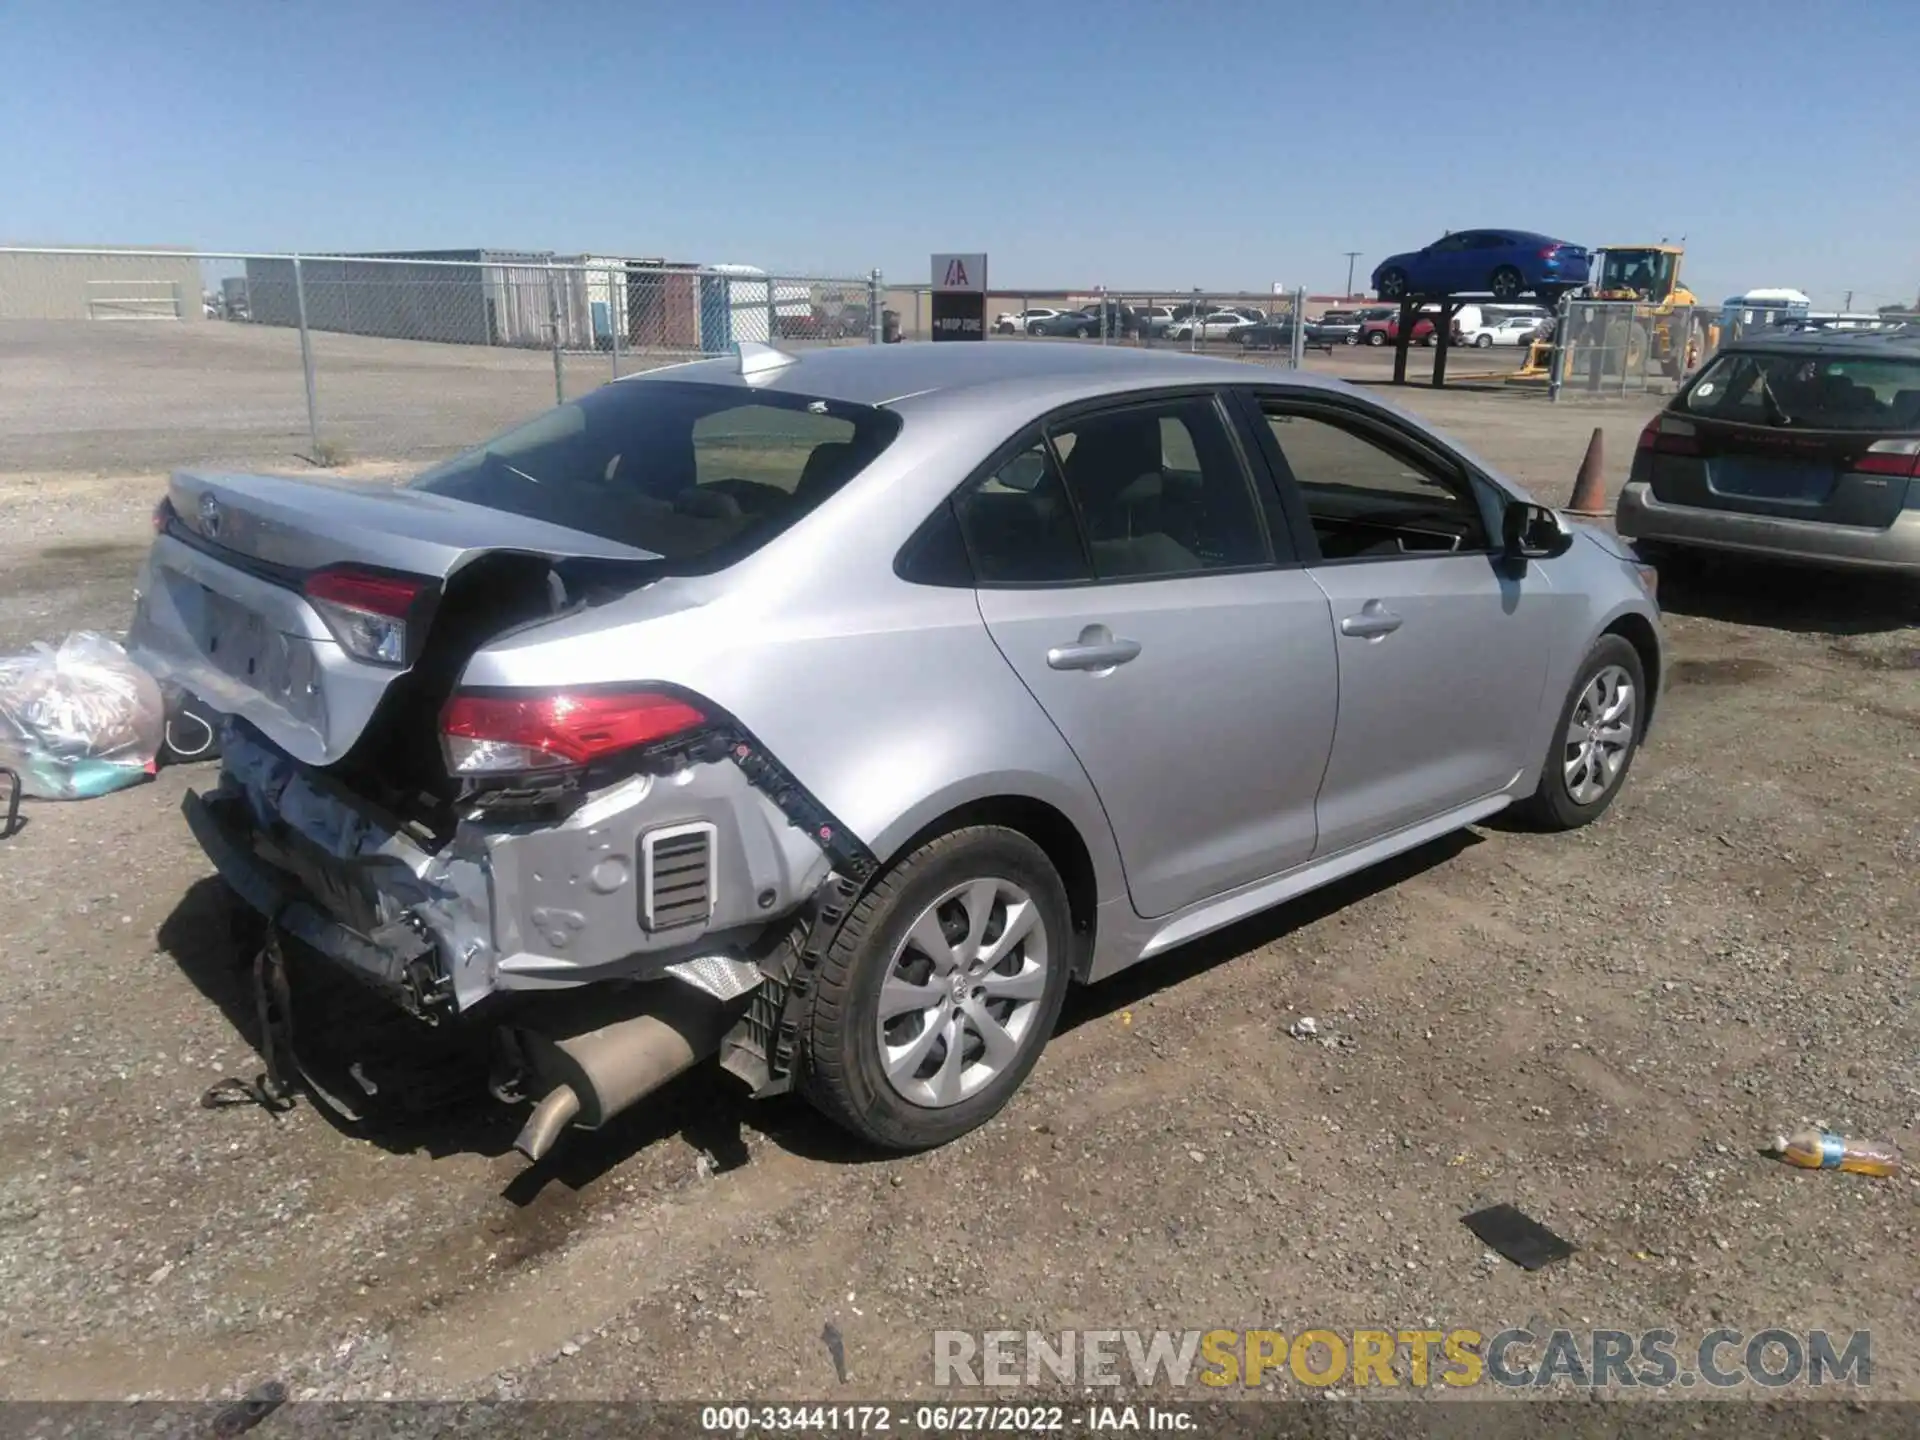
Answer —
1443 648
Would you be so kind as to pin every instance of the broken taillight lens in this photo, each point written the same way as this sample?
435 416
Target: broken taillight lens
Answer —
375 616
519 733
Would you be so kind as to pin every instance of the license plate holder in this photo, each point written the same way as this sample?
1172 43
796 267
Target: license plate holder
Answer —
1761 477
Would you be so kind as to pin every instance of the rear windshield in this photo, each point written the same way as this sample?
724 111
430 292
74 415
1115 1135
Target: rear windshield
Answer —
701 475
1815 392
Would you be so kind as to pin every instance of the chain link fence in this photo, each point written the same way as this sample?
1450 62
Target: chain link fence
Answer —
1619 347
342 357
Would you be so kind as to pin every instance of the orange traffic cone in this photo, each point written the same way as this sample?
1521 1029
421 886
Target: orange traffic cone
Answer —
1590 486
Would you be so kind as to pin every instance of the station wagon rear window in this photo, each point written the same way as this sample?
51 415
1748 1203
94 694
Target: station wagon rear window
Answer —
701 475
1875 393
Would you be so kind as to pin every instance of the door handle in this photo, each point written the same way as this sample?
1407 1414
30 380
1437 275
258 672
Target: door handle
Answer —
1373 621
1096 649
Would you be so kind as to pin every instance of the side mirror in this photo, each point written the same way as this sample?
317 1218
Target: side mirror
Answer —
1533 532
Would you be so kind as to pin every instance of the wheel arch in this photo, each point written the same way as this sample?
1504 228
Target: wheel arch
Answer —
1638 632
1042 822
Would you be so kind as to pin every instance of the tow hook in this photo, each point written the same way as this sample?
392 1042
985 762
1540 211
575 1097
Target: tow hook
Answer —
272 1006
274 1091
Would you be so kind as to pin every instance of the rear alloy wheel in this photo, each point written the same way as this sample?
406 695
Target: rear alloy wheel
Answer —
934 1001
1352 339
1507 283
1393 284
1483 341
1595 740
1376 337
1082 332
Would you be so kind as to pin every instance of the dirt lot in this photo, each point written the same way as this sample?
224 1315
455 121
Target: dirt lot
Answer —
1600 1028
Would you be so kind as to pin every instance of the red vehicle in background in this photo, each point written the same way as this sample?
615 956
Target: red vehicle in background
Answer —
1385 330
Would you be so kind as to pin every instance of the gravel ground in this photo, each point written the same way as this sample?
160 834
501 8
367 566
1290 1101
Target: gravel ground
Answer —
1601 1028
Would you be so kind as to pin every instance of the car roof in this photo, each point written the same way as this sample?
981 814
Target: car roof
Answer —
887 374
1901 341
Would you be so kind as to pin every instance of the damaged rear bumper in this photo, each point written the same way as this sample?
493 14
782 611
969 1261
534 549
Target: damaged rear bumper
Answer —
515 907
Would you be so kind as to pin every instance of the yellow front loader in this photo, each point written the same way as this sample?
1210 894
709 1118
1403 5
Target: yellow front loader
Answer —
1666 325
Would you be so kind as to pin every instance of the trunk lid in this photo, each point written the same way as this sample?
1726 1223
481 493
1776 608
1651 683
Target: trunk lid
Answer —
1823 475
1814 432
221 610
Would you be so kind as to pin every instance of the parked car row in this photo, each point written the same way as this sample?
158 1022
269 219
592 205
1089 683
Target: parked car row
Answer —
1128 322
1253 329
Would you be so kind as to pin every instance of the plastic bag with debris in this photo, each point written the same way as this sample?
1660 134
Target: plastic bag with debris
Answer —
78 720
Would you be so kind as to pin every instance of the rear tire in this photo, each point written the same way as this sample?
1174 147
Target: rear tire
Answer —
1507 283
847 1075
1376 337
1564 799
1483 342
1393 284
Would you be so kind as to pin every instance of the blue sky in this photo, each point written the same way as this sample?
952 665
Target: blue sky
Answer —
1211 143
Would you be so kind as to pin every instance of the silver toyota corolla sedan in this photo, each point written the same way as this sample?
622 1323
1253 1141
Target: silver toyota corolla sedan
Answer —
834 713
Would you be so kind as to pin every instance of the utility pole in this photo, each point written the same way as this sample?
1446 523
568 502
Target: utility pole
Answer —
1351 255
1848 307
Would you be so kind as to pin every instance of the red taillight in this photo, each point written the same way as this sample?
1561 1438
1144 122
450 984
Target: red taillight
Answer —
1899 458
1549 252
370 613
389 595
162 516
511 734
1667 436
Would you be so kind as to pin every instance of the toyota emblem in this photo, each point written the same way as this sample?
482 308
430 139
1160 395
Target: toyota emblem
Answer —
209 515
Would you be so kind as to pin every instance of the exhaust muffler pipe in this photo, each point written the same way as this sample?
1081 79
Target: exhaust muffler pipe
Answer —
606 1053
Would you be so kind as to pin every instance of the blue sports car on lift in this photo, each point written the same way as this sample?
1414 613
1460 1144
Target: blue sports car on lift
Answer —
1505 264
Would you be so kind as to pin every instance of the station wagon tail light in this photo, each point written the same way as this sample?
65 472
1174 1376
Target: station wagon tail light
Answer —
517 734
1891 457
1666 435
376 617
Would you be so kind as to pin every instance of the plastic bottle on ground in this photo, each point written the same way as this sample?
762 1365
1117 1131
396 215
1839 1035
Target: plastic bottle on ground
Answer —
1824 1150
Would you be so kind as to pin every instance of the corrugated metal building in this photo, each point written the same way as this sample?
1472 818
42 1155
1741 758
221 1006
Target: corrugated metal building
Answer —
456 297
102 286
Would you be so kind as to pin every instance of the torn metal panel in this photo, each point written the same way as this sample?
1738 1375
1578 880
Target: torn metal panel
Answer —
505 905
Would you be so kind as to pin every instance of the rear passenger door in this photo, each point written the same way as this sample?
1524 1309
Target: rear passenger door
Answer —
1126 571
1442 648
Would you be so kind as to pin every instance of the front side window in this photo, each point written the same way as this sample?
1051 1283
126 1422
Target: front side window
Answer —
1366 498
1160 491
701 475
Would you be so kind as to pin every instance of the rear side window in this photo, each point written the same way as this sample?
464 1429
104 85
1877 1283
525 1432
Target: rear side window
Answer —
1160 491
1814 392
701 475
1018 524
1152 491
